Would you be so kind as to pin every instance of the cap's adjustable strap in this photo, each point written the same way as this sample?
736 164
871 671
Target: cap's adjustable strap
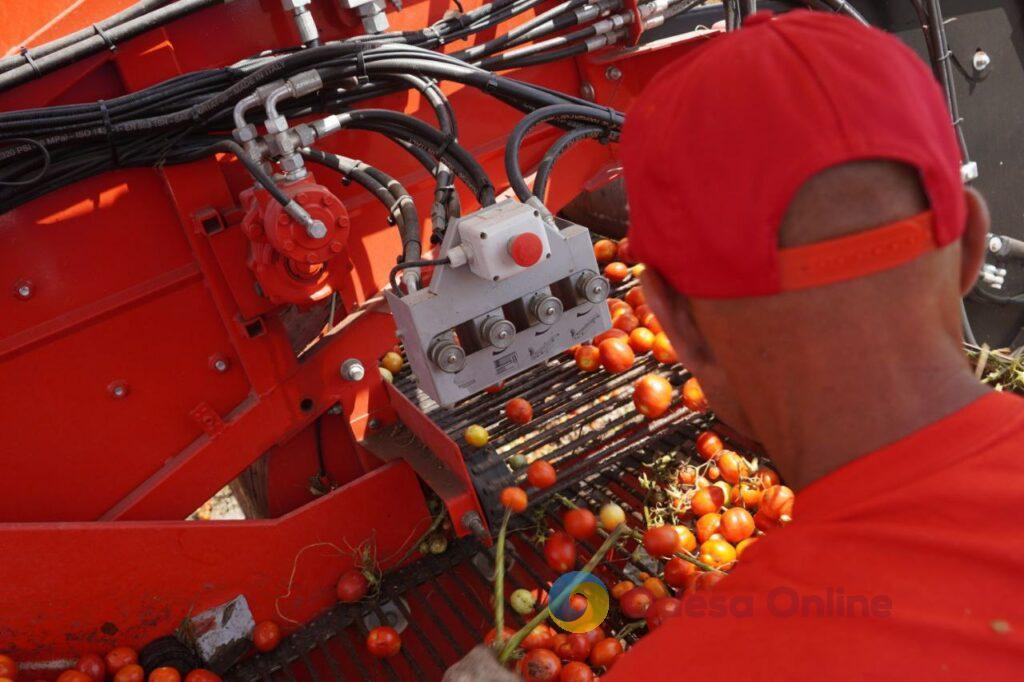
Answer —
856 255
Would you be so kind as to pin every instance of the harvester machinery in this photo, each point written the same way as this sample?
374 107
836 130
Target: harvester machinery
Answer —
216 218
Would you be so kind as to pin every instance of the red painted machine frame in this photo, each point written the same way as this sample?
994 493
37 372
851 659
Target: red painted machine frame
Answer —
143 372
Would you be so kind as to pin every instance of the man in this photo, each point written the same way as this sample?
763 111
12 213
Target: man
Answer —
794 190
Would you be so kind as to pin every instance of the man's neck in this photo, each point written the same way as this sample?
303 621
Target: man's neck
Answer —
823 420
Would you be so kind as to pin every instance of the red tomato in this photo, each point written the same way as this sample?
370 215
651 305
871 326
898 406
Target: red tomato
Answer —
635 297
605 652
626 322
495 388
687 475
777 503
119 657
616 355
576 672
616 272
76 676
383 642
737 524
643 311
541 474
352 586
514 498
610 334
575 647
507 634
693 395
767 477
588 358
92 665
131 672
708 525
580 523
625 253
202 675
539 665
8 667
605 250
661 610
677 571
164 674
641 340
266 636
661 541
560 552
594 636
634 604
662 348
539 638
519 410
652 395
707 580
707 500
709 445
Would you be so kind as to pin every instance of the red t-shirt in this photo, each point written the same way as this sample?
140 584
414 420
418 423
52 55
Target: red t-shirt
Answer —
923 541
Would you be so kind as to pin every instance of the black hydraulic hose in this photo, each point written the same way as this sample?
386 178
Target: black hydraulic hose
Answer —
99 42
388 191
127 14
503 41
545 57
609 120
255 170
502 61
560 146
412 264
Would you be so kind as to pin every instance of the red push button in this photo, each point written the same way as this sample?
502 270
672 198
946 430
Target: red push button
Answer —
525 249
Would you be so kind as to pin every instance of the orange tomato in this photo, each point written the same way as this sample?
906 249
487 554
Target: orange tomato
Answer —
777 503
742 545
74 676
707 500
392 362
8 667
708 525
731 466
641 340
588 358
693 395
165 674
616 272
687 540
745 495
662 347
656 587
687 475
93 666
513 498
610 334
605 250
616 355
717 553
132 672
652 395
519 411
202 675
737 524
767 477
622 587
266 636
625 253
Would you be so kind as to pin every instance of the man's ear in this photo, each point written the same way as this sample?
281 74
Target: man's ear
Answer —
674 314
972 244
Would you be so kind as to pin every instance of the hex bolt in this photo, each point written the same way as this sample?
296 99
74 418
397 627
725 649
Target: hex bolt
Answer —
23 290
613 73
316 229
353 370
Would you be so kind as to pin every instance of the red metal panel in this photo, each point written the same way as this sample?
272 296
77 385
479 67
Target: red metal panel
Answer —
96 585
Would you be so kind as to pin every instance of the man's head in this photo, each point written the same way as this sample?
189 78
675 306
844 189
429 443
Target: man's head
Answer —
794 189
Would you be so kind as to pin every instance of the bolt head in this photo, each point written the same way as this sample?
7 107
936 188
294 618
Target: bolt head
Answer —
23 290
317 229
981 60
353 370
995 244
220 365
613 73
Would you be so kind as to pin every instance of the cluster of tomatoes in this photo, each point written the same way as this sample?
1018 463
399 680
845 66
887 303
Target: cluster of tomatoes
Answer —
120 664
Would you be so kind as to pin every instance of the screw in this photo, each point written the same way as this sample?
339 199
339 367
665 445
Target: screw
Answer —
118 389
353 370
23 290
613 73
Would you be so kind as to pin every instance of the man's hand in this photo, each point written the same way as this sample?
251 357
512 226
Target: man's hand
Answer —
479 665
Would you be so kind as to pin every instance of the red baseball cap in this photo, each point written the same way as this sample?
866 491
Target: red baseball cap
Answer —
715 149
